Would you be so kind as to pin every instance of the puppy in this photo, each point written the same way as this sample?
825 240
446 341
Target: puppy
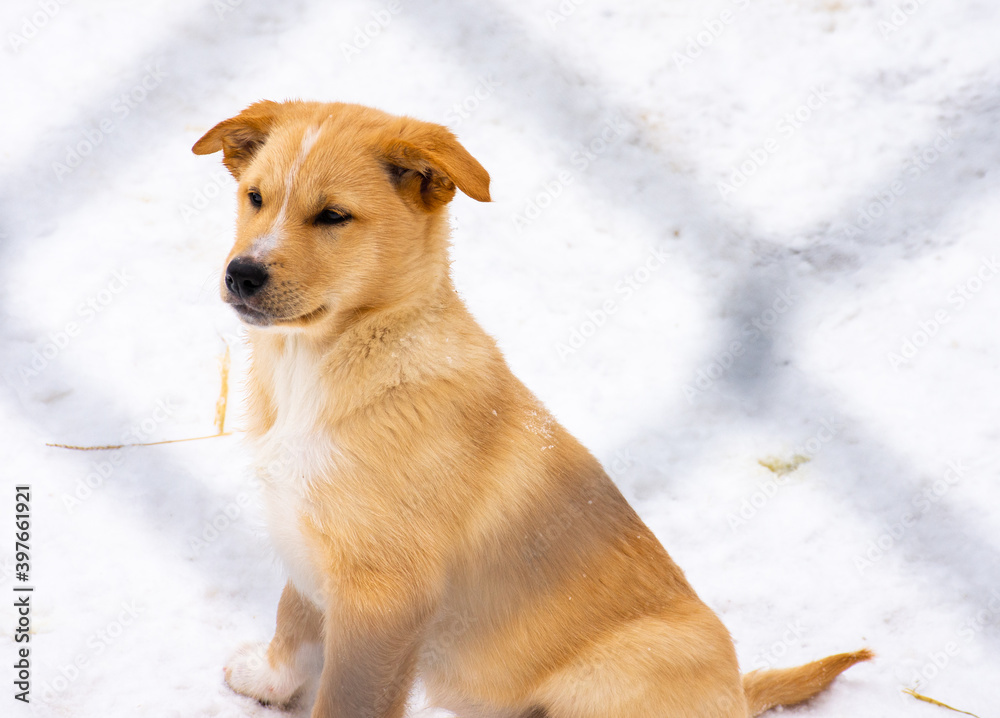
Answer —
435 520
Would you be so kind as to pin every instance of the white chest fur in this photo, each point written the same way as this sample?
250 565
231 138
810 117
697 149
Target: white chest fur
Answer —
294 455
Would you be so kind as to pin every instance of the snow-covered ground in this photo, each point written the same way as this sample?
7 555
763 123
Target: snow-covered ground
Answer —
724 232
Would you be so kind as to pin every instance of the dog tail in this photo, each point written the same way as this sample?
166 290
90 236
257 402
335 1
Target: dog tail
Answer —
766 689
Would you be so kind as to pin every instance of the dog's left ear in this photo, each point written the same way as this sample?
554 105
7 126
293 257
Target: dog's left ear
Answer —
240 137
427 162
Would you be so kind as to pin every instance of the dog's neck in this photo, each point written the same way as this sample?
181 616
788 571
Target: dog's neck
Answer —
364 359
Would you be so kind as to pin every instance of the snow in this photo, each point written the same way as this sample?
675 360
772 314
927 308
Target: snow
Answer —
837 305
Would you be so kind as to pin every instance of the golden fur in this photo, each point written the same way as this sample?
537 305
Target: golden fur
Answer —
434 517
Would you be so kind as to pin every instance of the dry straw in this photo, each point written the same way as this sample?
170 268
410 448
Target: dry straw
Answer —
925 699
220 417
220 404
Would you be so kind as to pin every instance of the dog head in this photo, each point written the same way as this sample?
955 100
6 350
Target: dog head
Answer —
341 209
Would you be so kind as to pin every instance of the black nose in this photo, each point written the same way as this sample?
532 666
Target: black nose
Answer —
245 277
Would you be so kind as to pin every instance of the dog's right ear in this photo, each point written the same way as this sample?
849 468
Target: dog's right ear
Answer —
240 137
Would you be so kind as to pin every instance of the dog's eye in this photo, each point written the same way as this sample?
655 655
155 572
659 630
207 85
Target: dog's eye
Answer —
331 216
255 199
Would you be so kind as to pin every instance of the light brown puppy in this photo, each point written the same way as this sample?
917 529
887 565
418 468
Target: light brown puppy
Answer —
434 518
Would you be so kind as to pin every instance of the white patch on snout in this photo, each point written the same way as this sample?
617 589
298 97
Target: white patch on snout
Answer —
271 240
264 245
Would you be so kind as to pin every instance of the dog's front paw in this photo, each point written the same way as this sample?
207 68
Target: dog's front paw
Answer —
250 673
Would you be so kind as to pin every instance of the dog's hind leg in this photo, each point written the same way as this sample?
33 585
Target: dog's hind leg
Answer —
679 664
273 673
